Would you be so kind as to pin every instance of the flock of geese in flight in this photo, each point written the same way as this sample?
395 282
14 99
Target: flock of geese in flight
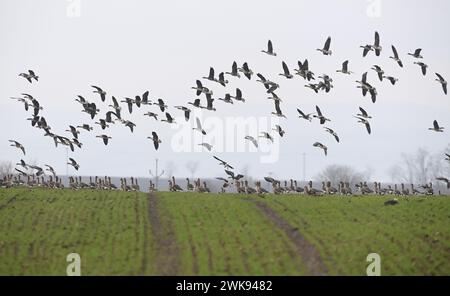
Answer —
115 112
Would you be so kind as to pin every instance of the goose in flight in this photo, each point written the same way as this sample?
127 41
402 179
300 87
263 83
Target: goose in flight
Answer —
366 48
162 105
436 127
233 176
286 72
393 80
305 116
17 145
130 103
326 48
74 131
395 57
151 114
321 146
21 172
238 96
416 54
23 100
376 45
234 71
246 71
115 105
222 81
144 100
186 111
274 97
105 138
206 145
267 136
444 180
29 76
442 81
73 163
91 109
363 113
100 91
447 156
39 170
227 99
22 164
211 75
200 88
209 103
269 50
129 124
168 119
303 70
365 122
155 139
51 170
82 101
253 140
199 126
344 69
279 130
109 116
314 87
320 116
224 163
423 66
326 84
278 110
267 83
196 103
379 71
332 132
76 142
102 123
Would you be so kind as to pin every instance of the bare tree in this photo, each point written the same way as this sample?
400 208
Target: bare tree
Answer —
6 168
336 173
192 167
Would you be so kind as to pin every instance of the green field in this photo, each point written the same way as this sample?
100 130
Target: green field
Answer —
129 233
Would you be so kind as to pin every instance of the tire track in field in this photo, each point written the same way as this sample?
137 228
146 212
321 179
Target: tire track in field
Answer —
308 253
167 254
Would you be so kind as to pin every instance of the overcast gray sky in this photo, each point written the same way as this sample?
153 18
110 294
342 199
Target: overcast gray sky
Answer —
127 47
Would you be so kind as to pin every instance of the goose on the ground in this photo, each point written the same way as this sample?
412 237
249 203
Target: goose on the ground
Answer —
278 110
279 130
234 71
17 145
105 138
363 113
365 122
379 71
269 50
100 91
73 163
326 48
151 114
225 164
199 126
396 57
423 66
305 116
321 146
29 76
393 80
442 81
186 111
332 132
253 140
155 139
320 116
436 127
267 136
206 145
238 96
246 71
344 69
286 72
416 54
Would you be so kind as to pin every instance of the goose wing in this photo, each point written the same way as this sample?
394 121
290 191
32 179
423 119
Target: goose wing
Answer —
285 68
394 50
269 47
327 44
363 112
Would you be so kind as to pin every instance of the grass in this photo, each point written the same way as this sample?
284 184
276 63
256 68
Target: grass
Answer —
218 234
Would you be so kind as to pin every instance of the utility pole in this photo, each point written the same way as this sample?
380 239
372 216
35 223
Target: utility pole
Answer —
156 175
